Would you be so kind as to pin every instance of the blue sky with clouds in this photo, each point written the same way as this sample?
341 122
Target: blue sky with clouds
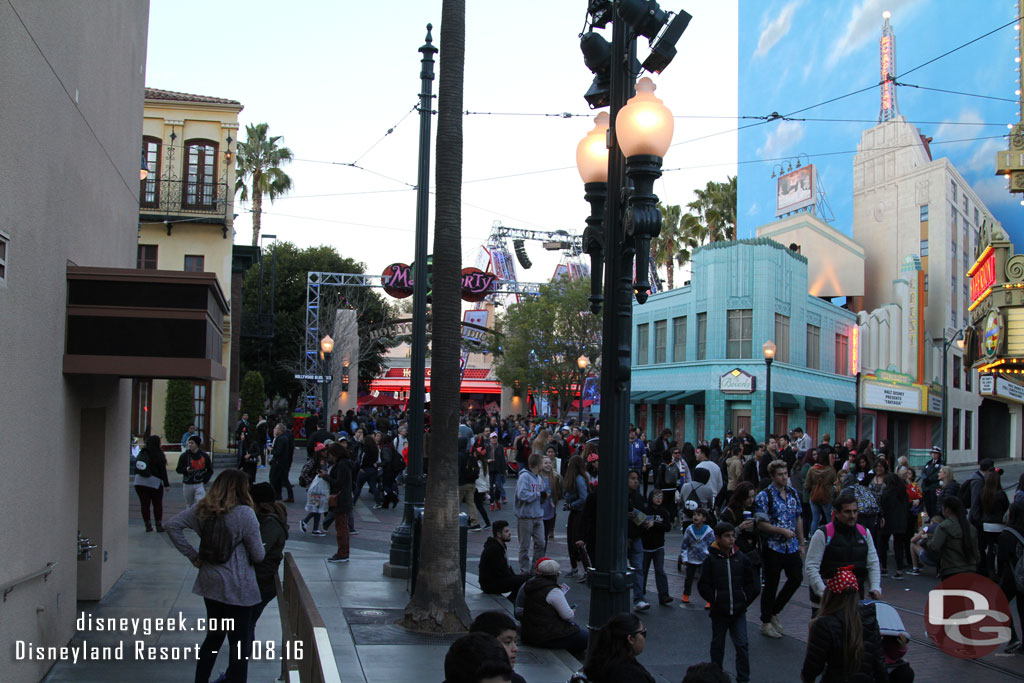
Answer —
797 53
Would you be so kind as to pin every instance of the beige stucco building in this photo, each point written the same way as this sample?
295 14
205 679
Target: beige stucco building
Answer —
70 124
186 219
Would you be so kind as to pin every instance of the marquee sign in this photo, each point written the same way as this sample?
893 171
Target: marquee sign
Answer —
737 382
983 276
397 281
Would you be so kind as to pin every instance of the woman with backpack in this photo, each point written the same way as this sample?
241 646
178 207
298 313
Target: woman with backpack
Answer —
819 482
895 506
955 543
230 544
576 491
1011 565
994 504
151 480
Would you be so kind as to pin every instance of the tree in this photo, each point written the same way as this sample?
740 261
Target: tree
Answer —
258 172
252 395
715 209
666 247
179 411
278 359
438 604
543 337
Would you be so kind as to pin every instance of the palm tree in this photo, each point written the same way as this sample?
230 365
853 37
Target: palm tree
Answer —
438 605
715 208
665 247
258 171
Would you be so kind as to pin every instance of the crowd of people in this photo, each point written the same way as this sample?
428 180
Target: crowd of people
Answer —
756 520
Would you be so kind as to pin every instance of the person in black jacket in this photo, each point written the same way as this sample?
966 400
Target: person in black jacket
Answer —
730 582
280 459
1010 545
653 539
844 645
613 657
196 468
273 518
496 574
339 478
151 480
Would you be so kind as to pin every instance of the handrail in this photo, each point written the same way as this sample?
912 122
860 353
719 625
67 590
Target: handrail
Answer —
44 572
301 623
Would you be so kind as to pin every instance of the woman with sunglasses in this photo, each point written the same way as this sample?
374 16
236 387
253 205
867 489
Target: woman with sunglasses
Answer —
613 657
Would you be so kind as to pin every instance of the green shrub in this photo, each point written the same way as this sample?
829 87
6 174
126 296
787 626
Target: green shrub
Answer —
179 411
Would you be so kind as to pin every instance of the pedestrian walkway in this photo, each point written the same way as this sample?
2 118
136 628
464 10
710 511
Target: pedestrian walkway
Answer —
359 606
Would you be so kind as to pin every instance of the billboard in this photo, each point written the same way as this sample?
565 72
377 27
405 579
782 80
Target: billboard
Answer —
796 190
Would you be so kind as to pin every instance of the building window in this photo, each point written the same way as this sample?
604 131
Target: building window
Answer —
201 408
956 429
977 218
200 171
842 354
679 339
968 418
968 378
781 338
956 371
194 264
924 213
702 335
660 340
142 399
966 212
739 333
149 190
4 240
146 257
952 185
965 257
840 435
814 347
952 219
954 253
924 248
781 425
642 344
926 282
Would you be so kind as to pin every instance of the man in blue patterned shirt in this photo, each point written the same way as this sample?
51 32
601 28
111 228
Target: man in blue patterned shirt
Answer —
778 513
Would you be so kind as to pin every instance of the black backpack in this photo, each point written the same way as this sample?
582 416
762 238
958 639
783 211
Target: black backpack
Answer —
215 542
472 469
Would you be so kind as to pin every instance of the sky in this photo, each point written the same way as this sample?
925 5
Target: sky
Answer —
334 77
797 53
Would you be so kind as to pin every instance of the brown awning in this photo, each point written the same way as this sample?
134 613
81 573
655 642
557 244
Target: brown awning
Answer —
131 322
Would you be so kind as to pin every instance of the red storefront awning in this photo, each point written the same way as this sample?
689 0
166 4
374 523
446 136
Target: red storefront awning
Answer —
474 381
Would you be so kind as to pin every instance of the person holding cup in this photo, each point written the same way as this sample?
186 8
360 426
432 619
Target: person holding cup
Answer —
740 513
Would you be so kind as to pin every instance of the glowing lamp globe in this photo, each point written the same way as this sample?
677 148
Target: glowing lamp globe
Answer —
769 350
645 124
327 344
592 152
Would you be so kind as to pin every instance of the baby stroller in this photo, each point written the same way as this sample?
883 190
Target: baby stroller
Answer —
894 641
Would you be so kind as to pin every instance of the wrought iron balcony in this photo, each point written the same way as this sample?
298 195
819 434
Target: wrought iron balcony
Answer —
172 197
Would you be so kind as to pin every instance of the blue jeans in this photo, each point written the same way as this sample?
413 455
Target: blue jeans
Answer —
368 477
497 486
736 626
819 516
658 558
635 553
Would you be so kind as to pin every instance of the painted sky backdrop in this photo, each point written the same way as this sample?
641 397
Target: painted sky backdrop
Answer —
797 53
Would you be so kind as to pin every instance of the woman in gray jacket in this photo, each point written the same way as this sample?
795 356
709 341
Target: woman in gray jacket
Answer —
227 527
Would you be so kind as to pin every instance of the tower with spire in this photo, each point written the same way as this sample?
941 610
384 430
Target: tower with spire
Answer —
887 61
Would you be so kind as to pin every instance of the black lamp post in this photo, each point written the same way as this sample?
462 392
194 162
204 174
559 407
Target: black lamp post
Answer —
640 131
957 339
769 356
400 557
326 348
582 362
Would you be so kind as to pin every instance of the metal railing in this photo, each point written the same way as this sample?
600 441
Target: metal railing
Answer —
11 585
173 196
303 628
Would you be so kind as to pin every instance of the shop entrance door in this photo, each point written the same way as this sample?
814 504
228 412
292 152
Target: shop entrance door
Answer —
899 435
993 430
740 422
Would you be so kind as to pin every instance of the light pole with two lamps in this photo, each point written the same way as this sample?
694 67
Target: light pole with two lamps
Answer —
769 355
326 348
957 339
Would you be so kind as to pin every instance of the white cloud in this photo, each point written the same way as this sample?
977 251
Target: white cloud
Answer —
776 29
778 141
754 208
994 193
866 23
951 131
984 157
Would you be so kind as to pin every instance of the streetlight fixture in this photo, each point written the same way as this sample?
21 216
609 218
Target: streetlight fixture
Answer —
957 339
326 347
639 135
769 356
582 362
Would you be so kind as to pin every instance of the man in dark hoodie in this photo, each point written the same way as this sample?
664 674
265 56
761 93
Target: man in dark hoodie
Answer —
729 581
273 518
496 574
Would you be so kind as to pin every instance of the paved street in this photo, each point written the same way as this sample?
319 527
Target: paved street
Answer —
367 648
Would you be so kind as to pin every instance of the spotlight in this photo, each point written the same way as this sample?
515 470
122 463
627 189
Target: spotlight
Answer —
600 12
664 49
645 17
520 250
597 55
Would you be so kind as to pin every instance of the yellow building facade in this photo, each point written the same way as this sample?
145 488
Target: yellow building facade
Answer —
186 222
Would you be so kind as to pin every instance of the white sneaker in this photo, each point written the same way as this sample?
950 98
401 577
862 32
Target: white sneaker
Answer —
641 605
769 630
777 624
302 525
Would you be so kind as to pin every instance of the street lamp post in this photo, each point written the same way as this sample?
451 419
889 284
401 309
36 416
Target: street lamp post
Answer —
769 356
957 339
400 557
582 362
639 134
326 348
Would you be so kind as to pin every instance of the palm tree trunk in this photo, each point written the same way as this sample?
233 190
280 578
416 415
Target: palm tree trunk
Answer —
257 211
670 272
438 604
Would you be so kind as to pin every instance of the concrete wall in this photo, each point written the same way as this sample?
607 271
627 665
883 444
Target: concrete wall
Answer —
70 124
